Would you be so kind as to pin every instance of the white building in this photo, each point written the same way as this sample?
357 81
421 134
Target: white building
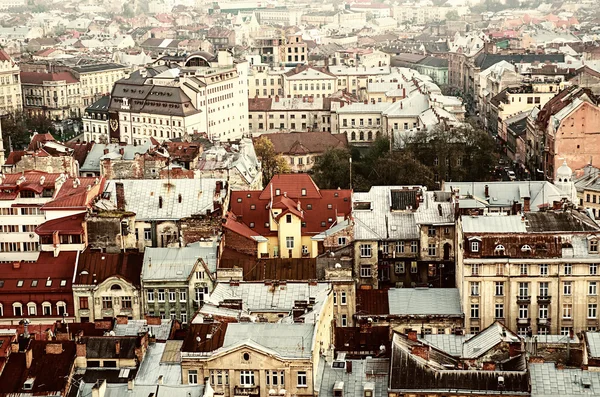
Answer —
10 85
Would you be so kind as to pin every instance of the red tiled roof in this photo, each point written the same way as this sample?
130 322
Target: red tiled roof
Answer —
34 181
4 56
362 339
316 207
67 225
51 371
76 196
297 269
14 157
372 301
38 140
101 266
39 78
259 104
47 266
183 151
238 227
80 150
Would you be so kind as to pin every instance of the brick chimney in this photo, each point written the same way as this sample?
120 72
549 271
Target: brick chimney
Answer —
81 350
153 320
105 151
117 347
489 366
54 348
28 357
412 335
120 191
487 191
526 204
421 351
122 320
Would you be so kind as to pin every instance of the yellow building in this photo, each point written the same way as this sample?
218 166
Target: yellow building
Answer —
97 80
10 85
308 81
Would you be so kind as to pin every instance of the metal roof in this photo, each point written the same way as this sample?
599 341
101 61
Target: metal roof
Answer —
487 339
176 264
547 380
289 340
152 368
353 382
593 340
493 224
424 301
134 327
448 343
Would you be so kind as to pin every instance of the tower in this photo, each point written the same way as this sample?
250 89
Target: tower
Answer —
564 182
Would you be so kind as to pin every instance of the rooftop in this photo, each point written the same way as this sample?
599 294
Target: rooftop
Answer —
425 302
287 340
94 267
178 263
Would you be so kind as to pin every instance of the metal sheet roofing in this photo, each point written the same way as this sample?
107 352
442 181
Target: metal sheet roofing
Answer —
593 340
546 380
179 262
424 301
289 340
152 368
134 327
493 224
487 339
354 382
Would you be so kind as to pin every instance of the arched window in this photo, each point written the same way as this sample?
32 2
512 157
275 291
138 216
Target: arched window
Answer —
1 310
17 309
116 287
362 135
370 136
353 136
31 309
61 308
526 248
499 250
46 309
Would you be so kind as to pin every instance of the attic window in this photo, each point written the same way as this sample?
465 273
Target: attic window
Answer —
115 287
34 283
336 194
499 250
63 283
248 195
266 224
323 224
330 220
277 192
251 224
526 248
239 200
329 206
48 283
303 192
309 206
20 283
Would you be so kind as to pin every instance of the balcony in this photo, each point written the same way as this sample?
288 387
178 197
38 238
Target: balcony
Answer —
523 321
544 300
523 300
242 390
543 322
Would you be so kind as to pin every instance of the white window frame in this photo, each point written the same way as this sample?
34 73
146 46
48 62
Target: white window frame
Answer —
365 250
302 379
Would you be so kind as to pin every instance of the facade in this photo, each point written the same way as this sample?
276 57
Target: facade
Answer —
264 82
413 246
96 121
285 219
295 50
175 281
308 81
534 272
107 285
10 80
54 95
97 80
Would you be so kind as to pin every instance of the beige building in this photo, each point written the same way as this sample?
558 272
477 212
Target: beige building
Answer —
537 272
588 189
107 285
308 81
10 85
54 95
295 50
97 80
265 82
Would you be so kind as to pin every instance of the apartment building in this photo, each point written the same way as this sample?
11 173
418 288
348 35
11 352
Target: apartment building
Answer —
97 80
265 82
355 79
403 236
308 81
278 114
295 50
10 85
536 272
96 124
588 189
175 281
54 95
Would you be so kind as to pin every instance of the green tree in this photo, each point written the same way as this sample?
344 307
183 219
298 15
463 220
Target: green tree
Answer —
452 15
17 129
332 169
394 168
128 11
272 163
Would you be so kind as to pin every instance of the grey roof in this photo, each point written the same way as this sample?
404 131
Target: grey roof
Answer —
133 327
142 197
593 341
548 381
353 382
260 297
504 194
176 264
120 390
493 224
288 340
151 368
92 161
448 343
381 223
434 62
554 339
99 67
487 339
101 105
424 301
530 222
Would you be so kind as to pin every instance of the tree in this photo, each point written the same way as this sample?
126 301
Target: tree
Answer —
17 129
452 15
394 168
272 163
332 169
128 11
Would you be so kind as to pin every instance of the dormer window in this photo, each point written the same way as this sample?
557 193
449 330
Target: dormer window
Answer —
593 246
526 248
474 246
277 192
303 192
499 250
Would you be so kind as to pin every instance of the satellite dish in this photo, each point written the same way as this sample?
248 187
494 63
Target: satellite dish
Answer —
198 339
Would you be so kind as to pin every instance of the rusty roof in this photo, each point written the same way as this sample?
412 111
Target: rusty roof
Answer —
94 267
372 301
296 269
204 338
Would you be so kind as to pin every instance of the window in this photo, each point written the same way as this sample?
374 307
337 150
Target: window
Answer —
182 296
107 302
414 247
499 250
474 246
17 309
499 311
524 290
431 231
593 269
543 292
247 378
565 331
289 242
199 293
31 309
413 267
365 270
150 295
524 269
431 249
302 381
592 288
334 298
543 311
288 218
342 241
126 302
343 298
594 246
592 310
475 310
567 287
46 308
567 310
192 377
399 267
543 269
183 317
161 295
568 269
499 288
84 302
474 288
523 311
400 247
171 295
475 269
365 250
499 269
344 321
148 234
474 330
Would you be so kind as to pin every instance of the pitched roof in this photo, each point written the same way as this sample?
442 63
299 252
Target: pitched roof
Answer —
36 181
372 302
299 143
105 346
58 269
291 269
66 225
205 337
4 56
288 340
76 193
39 78
95 267
424 302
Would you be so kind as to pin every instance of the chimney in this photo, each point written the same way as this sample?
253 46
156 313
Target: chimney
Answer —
421 351
17 265
401 105
121 151
276 98
120 191
130 384
54 348
81 350
105 151
440 209
412 335
489 366
117 347
122 320
348 367
28 357
526 204
487 191
99 388
160 380
403 92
